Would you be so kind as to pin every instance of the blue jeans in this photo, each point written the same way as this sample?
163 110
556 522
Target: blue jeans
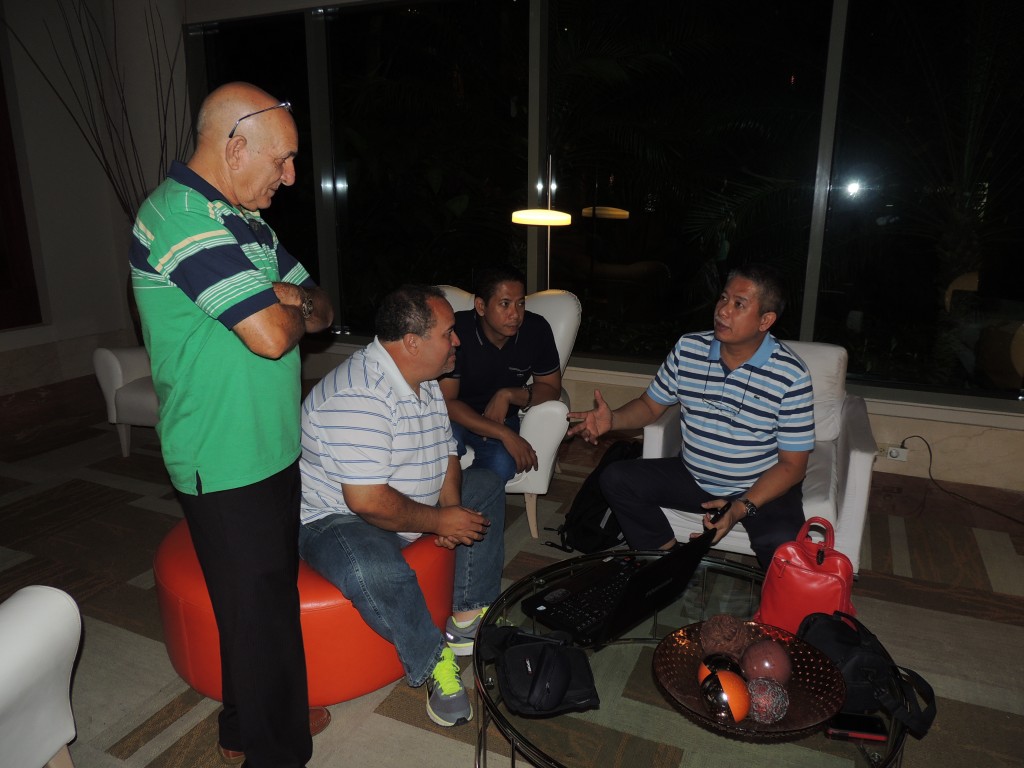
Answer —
365 562
488 453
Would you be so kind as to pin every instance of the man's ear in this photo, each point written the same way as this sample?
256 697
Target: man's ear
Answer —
480 305
233 152
767 321
411 343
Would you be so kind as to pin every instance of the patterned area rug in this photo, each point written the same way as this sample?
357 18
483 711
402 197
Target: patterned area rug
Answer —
942 584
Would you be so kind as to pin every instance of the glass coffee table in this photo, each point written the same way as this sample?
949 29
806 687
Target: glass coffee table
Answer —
637 724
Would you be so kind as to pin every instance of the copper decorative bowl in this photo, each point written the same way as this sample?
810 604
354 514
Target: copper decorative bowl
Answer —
816 688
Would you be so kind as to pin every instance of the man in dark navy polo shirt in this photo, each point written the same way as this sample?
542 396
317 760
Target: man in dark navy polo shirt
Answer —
503 346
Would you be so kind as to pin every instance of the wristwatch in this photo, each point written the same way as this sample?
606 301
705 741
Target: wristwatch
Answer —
529 397
750 506
306 307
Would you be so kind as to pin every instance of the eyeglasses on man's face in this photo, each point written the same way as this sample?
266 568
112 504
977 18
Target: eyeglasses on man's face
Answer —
283 105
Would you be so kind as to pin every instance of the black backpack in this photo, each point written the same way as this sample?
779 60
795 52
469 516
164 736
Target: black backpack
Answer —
870 674
590 525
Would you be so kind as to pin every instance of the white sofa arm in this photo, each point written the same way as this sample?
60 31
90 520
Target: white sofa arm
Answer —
117 367
543 427
855 454
662 437
40 630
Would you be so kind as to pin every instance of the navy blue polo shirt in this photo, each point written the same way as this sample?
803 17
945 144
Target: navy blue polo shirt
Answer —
482 368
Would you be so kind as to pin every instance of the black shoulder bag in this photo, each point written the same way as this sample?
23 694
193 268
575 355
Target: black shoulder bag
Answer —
539 675
872 677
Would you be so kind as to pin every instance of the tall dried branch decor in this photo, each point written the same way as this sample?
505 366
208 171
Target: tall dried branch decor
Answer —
89 66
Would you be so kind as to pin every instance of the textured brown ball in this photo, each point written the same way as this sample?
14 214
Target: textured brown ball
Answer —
723 633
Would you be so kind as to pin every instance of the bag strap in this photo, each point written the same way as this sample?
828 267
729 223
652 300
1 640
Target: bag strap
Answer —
865 637
821 522
909 711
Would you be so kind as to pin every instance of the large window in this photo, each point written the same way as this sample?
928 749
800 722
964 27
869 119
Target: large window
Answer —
250 50
704 122
924 255
428 125
699 123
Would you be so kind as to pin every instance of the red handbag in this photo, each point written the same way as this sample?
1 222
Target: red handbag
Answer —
806 577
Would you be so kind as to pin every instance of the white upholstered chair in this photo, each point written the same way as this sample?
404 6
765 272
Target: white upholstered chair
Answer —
838 480
544 425
40 630
127 384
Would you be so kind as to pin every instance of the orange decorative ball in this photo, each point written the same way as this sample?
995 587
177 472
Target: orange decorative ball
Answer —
725 695
716 662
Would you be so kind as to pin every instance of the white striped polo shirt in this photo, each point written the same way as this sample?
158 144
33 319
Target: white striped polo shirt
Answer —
363 425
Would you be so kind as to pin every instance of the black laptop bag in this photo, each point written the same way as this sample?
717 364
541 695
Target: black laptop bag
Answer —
539 675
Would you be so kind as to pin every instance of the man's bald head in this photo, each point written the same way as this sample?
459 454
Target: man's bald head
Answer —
225 105
259 157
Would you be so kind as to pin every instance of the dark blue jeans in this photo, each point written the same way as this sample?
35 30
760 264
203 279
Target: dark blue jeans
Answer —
365 562
637 489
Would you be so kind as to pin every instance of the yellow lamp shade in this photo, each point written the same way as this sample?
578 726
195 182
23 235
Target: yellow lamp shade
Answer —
543 217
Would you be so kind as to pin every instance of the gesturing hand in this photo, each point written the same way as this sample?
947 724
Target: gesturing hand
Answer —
593 423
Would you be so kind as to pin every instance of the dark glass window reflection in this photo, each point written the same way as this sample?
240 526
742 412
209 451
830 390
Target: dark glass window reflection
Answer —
923 280
702 122
428 117
238 50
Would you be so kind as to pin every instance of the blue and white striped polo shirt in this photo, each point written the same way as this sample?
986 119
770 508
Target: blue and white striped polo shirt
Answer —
734 422
363 425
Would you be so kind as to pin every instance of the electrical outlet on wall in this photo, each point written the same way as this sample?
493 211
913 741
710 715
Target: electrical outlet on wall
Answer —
896 453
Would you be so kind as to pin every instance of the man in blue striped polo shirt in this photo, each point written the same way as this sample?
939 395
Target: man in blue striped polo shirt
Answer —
747 419
380 469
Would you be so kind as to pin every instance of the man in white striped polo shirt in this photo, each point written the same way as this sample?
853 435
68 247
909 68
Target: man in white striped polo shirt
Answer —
747 419
379 469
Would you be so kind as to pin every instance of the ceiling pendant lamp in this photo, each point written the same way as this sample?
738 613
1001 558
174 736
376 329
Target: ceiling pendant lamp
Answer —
541 217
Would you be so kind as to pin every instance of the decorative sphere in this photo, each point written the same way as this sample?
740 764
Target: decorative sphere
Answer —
723 633
717 662
725 695
769 700
766 658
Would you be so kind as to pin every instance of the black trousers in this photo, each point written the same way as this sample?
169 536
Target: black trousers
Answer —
247 543
637 489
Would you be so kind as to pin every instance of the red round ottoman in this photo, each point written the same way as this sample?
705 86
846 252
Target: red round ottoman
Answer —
330 623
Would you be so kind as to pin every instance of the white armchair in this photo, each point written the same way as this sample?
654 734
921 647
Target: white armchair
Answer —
127 384
543 426
40 630
838 480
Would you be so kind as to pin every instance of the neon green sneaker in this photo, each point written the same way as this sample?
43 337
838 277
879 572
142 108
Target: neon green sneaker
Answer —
460 636
447 702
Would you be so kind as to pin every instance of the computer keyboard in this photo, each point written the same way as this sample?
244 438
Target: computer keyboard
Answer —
579 608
